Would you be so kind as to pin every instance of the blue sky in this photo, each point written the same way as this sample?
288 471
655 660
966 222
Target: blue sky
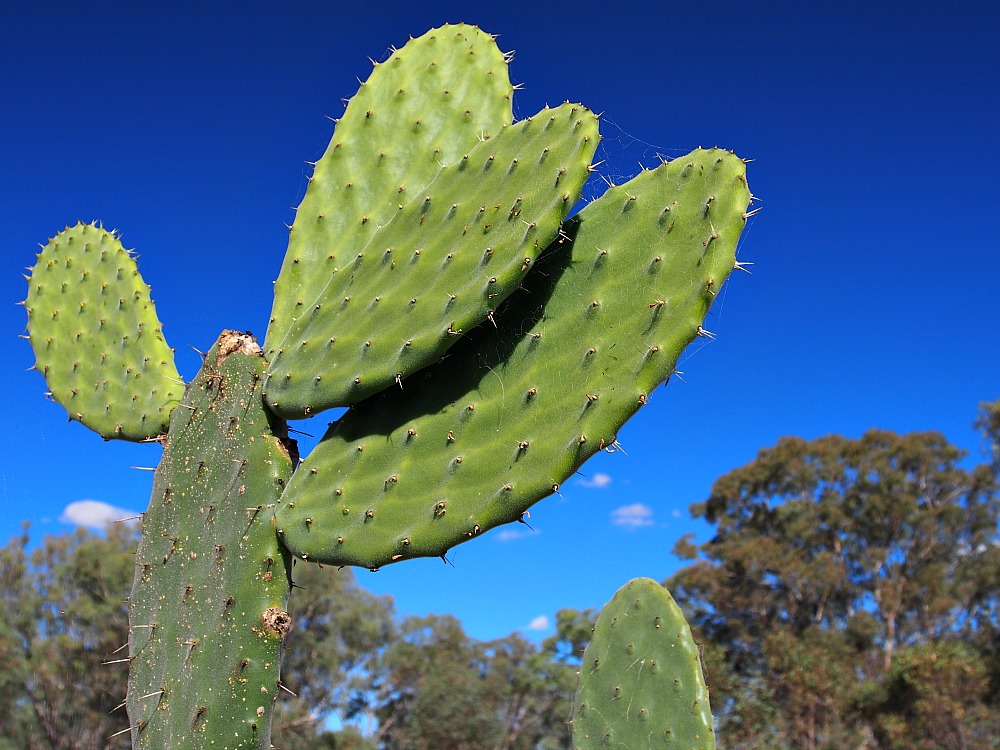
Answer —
872 133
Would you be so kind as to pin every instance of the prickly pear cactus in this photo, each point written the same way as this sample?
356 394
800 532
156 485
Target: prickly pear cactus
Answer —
641 683
487 346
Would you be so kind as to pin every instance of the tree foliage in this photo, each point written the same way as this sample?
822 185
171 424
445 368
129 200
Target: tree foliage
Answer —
338 630
63 617
989 423
356 677
839 571
437 688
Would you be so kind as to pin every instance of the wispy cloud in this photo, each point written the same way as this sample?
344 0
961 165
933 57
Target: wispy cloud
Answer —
512 535
632 516
539 623
598 480
93 514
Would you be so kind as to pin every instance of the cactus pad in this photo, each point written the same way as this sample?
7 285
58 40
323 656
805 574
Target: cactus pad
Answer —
96 336
514 410
424 107
207 614
441 265
641 683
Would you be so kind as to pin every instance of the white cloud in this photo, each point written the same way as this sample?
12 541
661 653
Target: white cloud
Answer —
632 516
93 514
676 513
539 623
512 535
598 480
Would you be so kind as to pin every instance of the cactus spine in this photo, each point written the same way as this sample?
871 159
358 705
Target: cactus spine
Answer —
487 345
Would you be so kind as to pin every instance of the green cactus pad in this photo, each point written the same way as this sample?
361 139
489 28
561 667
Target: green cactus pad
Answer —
426 106
641 684
514 410
441 265
96 336
207 614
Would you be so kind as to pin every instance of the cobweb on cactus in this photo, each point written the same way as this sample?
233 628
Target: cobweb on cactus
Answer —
622 156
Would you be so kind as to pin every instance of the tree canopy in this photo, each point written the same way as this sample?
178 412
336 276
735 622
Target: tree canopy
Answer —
848 597
63 616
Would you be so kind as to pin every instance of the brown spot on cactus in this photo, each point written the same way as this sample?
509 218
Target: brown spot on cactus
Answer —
276 621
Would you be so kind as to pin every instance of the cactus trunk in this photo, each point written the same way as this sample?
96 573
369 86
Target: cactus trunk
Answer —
207 614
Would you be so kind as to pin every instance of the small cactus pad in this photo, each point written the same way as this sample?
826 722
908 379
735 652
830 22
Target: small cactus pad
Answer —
641 684
441 265
425 106
514 409
208 610
96 336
